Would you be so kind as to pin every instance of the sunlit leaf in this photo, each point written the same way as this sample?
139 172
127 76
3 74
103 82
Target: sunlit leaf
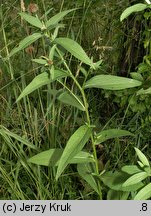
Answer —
144 193
142 157
111 82
136 178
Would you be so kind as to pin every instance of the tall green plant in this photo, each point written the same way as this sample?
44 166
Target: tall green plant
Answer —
74 151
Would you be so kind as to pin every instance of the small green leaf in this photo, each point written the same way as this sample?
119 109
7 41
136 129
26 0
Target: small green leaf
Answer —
40 61
35 21
71 99
40 80
51 157
111 82
17 137
131 169
25 43
135 8
140 164
52 52
144 193
57 18
75 49
85 171
109 134
73 147
136 178
142 157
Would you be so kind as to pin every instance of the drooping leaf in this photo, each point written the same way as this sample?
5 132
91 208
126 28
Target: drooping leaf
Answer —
35 21
17 137
25 43
109 134
51 157
57 18
40 80
136 178
85 171
111 82
71 99
75 49
144 193
73 147
142 157
135 8
131 169
115 180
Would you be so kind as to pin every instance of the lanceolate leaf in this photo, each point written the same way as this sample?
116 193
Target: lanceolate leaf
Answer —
142 157
25 43
109 134
132 9
51 157
144 193
111 82
75 49
40 61
85 171
115 180
71 99
136 178
57 18
73 147
40 80
131 169
35 21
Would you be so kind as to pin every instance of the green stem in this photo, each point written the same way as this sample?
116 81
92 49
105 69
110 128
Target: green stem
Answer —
87 117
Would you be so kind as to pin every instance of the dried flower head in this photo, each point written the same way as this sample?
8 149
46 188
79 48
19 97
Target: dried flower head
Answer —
32 8
29 50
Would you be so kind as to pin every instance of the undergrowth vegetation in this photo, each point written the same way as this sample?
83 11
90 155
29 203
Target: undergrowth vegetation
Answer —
75 99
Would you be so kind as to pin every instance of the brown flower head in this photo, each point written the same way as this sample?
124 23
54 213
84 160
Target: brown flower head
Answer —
29 49
32 8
